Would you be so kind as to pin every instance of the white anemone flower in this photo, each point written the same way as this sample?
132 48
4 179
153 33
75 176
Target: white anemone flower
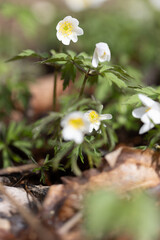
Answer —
68 30
74 127
80 5
156 4
102 53
95 119
149 114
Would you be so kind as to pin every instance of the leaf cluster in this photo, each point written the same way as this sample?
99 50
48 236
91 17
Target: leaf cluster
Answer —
87 152
14 95
15 143
70 62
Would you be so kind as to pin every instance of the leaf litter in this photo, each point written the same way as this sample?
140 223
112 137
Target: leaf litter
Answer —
60 215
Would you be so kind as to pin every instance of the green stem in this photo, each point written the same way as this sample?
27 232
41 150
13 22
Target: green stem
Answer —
83 85
55 91
90 161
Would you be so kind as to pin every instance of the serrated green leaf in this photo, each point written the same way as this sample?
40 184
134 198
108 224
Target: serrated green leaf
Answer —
68 73
57 58
114 79
120 73
65 148
71 53
25 54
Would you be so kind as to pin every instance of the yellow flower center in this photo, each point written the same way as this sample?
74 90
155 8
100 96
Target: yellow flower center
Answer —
104 54
147 109
66 28
93 117
77 123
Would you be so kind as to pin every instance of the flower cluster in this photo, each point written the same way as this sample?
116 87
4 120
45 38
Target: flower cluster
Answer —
68 29
77 124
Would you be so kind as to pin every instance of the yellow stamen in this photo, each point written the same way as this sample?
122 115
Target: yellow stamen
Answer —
66 28
147 109
77 123
93 117
104 54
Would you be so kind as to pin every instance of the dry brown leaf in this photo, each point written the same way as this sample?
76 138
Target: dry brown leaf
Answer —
131 169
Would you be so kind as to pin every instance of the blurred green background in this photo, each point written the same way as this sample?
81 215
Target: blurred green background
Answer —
131 28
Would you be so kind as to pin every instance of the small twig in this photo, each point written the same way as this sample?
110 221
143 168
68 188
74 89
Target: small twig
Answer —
20 169
33 221
38 204
70 223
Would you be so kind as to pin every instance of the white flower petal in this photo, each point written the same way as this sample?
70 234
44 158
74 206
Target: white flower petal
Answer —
146 127
95 59
74 126
59 36
67 30
146 100
68 18
145 118
105 116
58 25
75 22
94 126
139 112
66 41
74 37
78 137
102 53
154 115
69 133
79 31
156 106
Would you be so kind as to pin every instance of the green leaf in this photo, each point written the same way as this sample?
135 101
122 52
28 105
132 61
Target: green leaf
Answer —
2 145
93 79
42 124
58 58
107 212
73 159
65 148
11 132
68 73
114 79
71 53
25 54
6 158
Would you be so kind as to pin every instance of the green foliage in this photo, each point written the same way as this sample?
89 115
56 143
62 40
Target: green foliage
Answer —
27 53
23 16
42 169
153 138
88 151
14 93
70 62
15 143
107 213
68 73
